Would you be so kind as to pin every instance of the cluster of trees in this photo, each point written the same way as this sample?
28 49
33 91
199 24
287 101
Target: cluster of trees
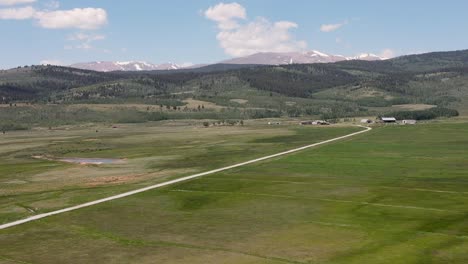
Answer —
11 92
425 114
224 123
380 101
296 80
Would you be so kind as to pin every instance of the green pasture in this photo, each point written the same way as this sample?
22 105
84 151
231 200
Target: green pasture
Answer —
397 194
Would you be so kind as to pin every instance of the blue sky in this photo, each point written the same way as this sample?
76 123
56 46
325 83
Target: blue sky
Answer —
205 31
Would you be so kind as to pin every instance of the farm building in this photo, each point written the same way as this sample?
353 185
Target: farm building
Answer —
366 121
320 122
409 122
388 119
315 122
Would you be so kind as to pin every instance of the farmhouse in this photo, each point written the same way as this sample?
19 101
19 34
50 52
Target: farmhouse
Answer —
409 122
388 119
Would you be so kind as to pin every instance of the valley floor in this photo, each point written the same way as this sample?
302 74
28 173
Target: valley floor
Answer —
397 194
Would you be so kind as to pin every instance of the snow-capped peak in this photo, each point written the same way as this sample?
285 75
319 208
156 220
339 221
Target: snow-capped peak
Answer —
107 66
368 56
320 53
122 62
261 58
312 56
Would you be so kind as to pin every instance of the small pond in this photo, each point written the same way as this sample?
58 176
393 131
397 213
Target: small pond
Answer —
94 161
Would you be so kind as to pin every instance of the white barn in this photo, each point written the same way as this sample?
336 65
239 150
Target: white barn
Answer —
388 119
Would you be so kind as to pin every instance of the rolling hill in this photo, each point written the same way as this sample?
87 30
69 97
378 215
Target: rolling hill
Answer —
327 90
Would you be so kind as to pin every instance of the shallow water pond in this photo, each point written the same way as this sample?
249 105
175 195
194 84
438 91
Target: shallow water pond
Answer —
95 161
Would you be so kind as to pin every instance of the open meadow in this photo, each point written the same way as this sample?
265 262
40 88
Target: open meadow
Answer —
397 194
34 181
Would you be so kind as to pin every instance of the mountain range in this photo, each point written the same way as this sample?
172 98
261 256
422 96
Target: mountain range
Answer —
108 66
262 58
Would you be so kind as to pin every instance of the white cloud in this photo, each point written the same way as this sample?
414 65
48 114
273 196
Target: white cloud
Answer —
387 53
285 25
15 2
332 27
85 40
86 37
51 62
17 13
259 35
52 5
81 18
226 14
84 46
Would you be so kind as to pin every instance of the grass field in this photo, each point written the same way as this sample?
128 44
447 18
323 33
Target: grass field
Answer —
397 194
152 153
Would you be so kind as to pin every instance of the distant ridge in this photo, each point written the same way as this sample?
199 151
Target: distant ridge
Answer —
262 58
282 58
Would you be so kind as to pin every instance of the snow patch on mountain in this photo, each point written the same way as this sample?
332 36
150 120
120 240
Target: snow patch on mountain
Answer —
313 56
107 66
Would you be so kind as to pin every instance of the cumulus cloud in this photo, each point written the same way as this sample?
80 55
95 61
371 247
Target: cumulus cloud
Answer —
332 27
86 37
52 4
84 46
82 18
387 53
15 2
85 40
259 35
226 14
17 13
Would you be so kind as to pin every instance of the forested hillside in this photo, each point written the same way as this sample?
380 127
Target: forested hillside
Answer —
329 91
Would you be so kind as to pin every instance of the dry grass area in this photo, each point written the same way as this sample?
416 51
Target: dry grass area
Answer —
239 101
192 103
16 104
110 107
413 107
